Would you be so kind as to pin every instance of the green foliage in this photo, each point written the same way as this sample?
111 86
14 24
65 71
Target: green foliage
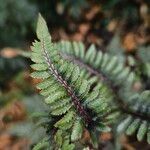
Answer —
14 66
121 9
98 63
86 89
15 18
43 144
17 28
30 128
139 119
115 74
66 91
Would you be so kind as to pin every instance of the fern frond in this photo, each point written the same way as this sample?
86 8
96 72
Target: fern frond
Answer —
66 90
86 90
109 69
139 121
104 65
43 144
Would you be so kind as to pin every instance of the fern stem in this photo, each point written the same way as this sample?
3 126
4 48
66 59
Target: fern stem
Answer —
80 109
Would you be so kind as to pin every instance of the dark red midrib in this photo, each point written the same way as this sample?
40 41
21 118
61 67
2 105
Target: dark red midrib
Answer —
80 109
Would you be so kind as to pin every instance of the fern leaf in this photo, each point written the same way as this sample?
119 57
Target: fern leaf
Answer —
40 75
43 144
104 64
115 74
67 146
58 137
70 92
77 130
142 130
133 127
139 122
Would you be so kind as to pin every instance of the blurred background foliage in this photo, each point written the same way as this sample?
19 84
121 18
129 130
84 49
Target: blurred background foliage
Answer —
120 27
18 18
